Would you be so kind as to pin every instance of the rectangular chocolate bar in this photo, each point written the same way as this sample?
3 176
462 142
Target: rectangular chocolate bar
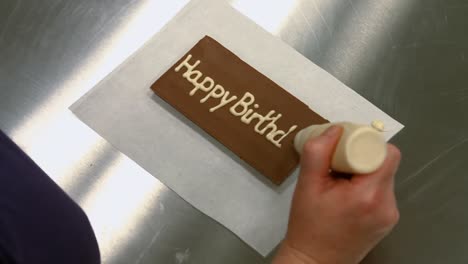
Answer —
238 106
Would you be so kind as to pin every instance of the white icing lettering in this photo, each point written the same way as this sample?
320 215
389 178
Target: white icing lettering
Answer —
187 65
245 118
262 119
244 102
258 116
202 86
271 136
224 101
194 80
244 108
271 125
217 92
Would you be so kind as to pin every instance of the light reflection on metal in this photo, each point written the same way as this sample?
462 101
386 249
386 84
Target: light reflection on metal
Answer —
271 15
116 203
112 51
61 136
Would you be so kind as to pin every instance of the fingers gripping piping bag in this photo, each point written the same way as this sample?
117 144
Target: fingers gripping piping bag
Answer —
361 149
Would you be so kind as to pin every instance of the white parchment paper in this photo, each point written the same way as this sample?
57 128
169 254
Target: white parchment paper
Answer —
124 111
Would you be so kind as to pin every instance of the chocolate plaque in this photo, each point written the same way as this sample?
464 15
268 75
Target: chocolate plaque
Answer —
237 105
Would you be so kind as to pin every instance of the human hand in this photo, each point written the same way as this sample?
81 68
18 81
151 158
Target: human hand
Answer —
338 220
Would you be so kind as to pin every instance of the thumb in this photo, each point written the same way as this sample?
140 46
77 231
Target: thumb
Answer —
317 154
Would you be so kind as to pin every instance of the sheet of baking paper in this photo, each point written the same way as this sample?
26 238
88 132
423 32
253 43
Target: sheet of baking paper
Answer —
124 111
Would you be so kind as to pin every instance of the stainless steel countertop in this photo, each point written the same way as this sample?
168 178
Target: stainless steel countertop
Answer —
408 57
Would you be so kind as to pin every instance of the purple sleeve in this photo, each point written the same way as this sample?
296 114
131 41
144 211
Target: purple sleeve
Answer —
39 223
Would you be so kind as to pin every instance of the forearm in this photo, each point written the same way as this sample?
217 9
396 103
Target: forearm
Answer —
288 255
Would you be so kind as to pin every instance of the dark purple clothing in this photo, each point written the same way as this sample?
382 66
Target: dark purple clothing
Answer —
39 223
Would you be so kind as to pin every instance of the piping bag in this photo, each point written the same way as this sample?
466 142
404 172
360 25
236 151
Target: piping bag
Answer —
361 149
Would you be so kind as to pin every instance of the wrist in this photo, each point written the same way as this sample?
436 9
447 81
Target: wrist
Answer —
289 255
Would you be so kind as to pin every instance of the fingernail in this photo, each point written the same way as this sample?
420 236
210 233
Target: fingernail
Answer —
332 131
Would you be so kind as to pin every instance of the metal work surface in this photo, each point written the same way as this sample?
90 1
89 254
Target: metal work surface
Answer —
408 57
